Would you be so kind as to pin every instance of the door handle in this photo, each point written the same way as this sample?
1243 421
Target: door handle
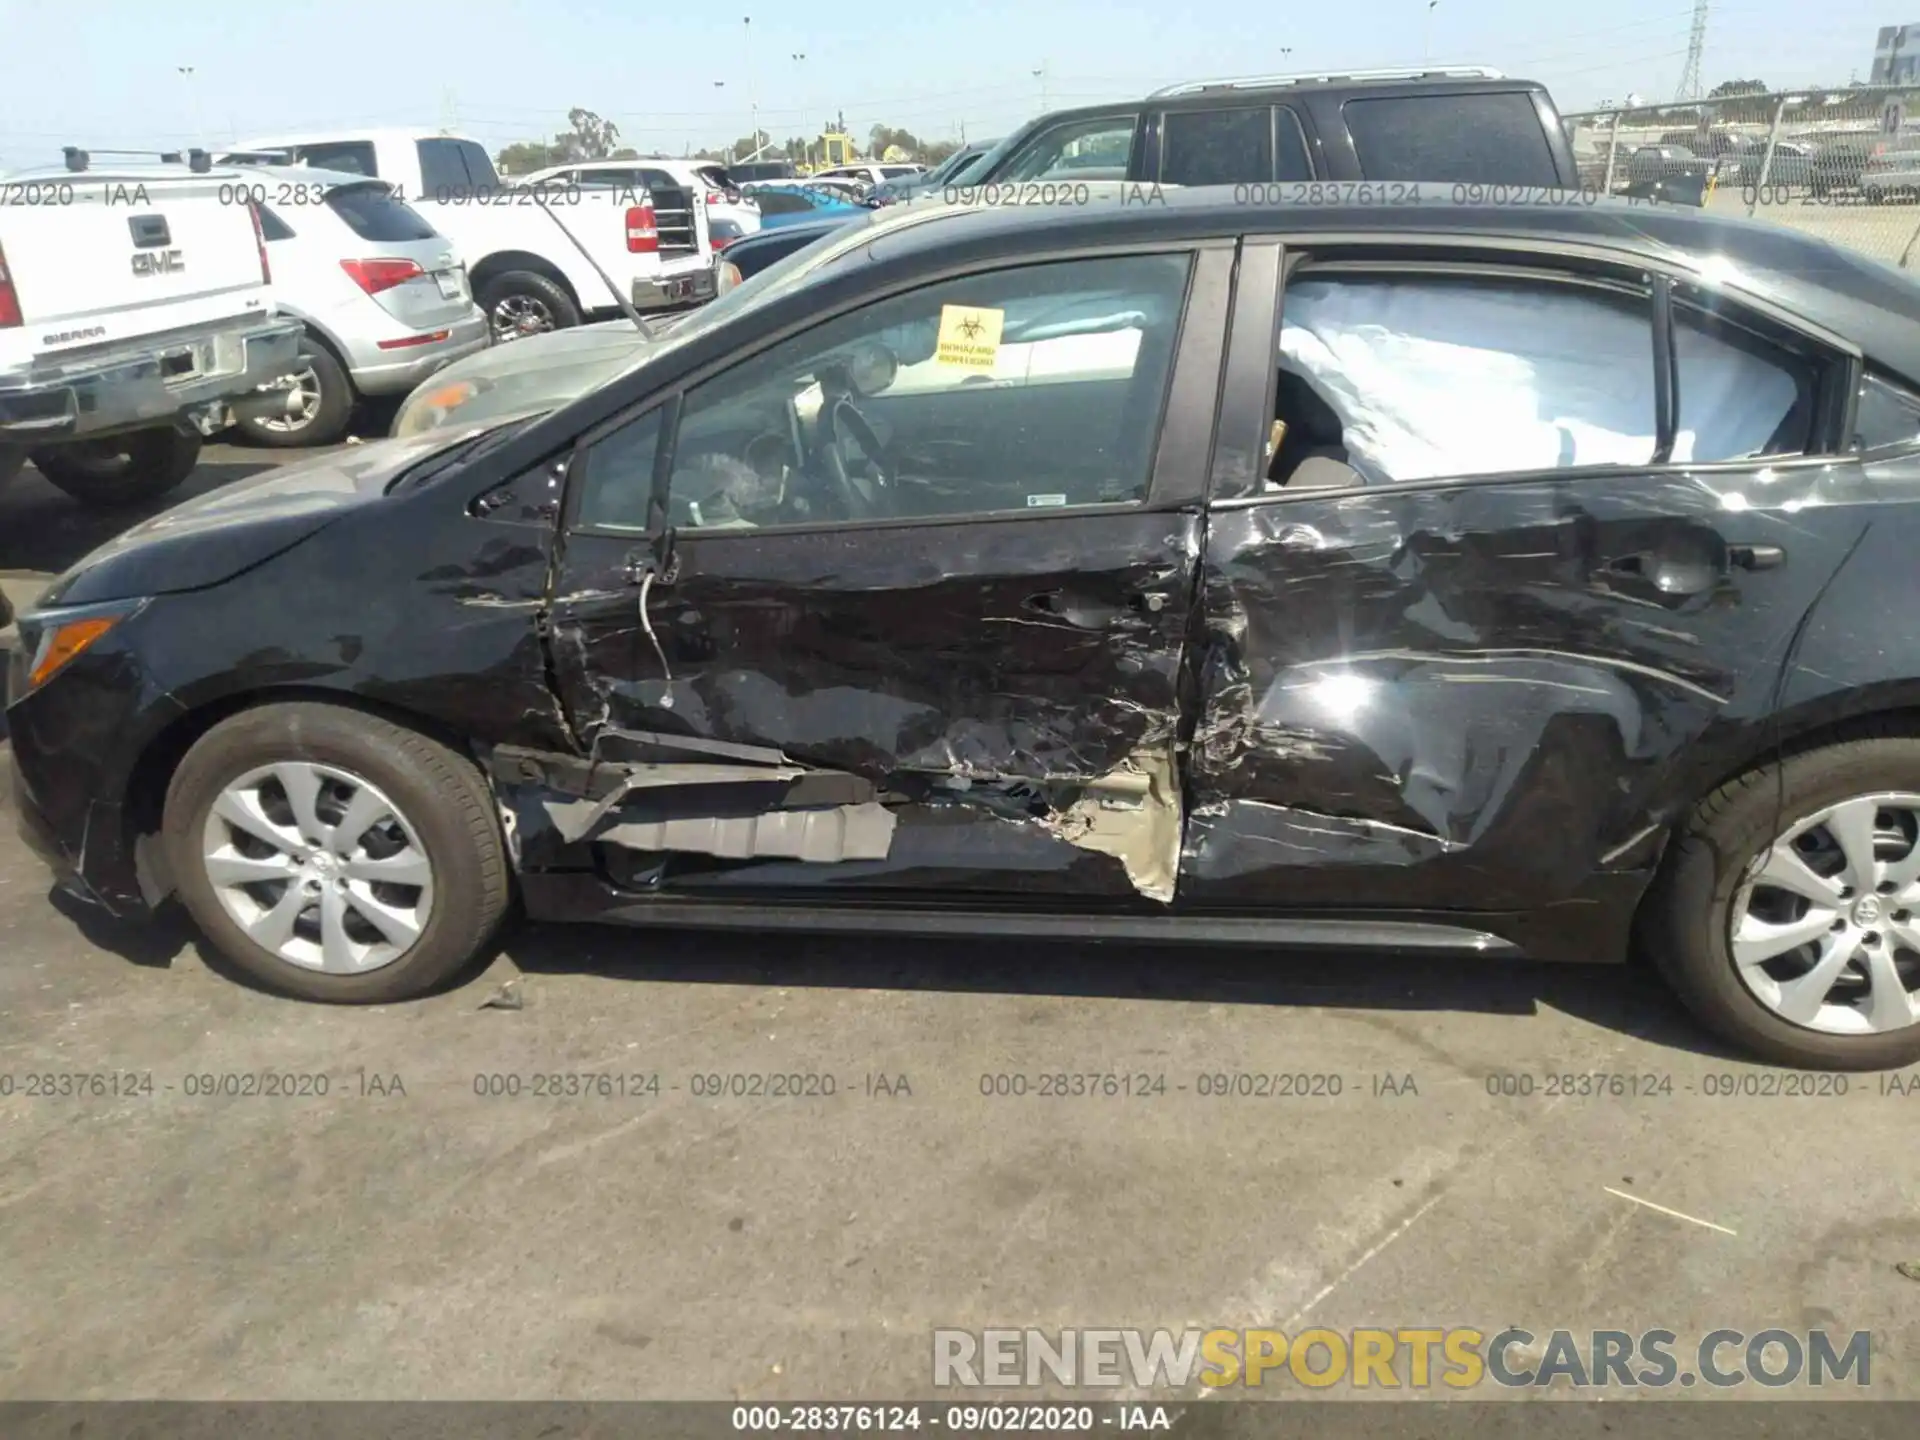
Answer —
1669 577
1756 557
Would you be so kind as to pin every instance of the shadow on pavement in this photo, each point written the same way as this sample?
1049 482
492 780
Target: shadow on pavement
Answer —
1626 999
44 529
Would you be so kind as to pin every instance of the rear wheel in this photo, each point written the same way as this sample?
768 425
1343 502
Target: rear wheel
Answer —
334 855
1793 929
121 469
520 302
318 407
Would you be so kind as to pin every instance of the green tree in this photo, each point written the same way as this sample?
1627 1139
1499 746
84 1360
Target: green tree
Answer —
525 156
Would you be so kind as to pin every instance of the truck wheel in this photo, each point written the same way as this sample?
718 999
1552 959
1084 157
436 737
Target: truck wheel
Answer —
334 855
1787 915
122 469
319 407
521 302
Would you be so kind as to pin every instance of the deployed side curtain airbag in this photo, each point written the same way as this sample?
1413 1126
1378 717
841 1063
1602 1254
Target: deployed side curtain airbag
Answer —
1462 377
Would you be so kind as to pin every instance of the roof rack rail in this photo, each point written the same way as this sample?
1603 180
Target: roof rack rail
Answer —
199 161
1252 82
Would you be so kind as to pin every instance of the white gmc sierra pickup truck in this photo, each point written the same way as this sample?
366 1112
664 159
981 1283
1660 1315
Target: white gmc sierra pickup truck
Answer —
540 258
135 318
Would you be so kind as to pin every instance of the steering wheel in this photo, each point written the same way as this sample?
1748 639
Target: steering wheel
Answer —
862 498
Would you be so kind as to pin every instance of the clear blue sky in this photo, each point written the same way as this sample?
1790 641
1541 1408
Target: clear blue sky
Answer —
104 72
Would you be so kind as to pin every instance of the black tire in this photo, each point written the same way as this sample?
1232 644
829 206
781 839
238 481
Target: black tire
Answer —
443 795
539 302
331 415
1686 922
123 469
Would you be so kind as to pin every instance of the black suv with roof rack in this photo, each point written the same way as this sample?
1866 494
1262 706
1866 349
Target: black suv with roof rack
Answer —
1431 124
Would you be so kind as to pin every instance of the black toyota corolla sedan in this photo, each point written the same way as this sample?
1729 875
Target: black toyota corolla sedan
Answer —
1414 575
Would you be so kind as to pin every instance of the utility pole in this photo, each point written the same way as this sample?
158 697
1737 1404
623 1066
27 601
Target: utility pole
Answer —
753 98
1696 44
193 102
1426 40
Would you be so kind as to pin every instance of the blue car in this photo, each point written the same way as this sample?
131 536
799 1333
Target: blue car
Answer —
799 203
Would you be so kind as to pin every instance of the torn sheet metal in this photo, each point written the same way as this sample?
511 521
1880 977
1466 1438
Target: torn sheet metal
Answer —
847 832
1133 814
1409 697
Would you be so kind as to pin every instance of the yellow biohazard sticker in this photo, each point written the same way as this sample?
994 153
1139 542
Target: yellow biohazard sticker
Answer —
969 336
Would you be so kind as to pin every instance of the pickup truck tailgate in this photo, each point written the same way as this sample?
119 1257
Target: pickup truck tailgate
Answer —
127 257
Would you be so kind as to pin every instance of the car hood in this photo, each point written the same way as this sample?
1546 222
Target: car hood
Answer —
216 536
540 372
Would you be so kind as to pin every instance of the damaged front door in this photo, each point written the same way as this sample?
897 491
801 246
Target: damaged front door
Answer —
918 619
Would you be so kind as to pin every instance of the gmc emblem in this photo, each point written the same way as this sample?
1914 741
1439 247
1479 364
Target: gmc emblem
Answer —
158 262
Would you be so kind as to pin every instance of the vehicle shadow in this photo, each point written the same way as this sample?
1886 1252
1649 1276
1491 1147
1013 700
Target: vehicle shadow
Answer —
1628 999
43 529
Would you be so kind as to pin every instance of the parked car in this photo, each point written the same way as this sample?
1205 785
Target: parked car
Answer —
1789 168
730 639
533 266
799 203
745 171
1892 173
135 318
925 182
1838 163
867 174
1666 172
690 197
1430 124
383 297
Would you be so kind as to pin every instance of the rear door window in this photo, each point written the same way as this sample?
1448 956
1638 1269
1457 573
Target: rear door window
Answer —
443 172
1421 377
1486 138
479 164
1217 147
374 213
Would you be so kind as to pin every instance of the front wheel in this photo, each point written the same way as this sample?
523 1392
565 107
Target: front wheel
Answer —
1788 915
122 469
333 855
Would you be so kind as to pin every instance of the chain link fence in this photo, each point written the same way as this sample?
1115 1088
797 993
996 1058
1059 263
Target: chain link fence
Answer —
1840 164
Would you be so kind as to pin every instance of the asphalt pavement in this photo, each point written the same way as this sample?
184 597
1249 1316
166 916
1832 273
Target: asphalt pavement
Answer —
572 1176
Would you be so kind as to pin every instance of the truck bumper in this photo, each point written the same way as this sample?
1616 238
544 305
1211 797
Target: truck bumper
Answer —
147 383
670 292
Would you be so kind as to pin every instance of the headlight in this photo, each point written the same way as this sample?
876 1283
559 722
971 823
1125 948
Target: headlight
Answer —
436 404
58 637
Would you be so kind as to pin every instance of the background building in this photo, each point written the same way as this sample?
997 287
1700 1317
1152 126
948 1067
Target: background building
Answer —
1896 55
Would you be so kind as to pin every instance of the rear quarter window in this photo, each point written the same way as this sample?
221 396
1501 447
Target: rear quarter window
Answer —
374 213
1490 139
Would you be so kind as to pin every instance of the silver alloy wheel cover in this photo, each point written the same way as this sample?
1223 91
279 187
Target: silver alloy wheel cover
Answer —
1855 924
303 403
300 902
517 315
